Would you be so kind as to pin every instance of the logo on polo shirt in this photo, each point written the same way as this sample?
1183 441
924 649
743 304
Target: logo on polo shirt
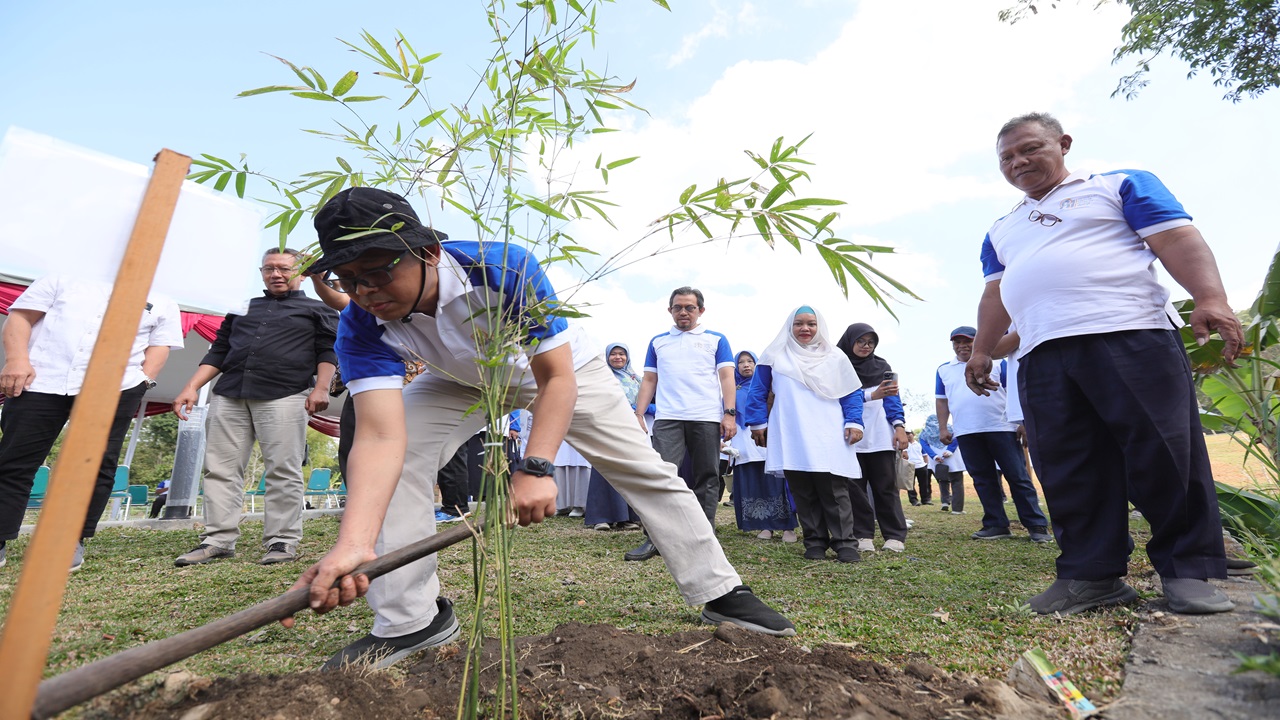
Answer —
1075 203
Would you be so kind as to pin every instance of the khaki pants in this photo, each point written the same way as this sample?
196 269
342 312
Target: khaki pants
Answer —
604 429
280 427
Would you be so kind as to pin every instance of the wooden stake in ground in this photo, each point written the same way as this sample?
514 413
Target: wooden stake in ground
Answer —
28 630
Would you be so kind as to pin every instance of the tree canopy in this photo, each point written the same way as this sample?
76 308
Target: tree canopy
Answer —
1236 41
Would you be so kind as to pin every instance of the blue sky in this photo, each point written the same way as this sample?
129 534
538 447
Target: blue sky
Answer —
903 99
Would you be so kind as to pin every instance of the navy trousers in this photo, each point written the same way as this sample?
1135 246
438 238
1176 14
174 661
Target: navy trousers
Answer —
1112 419
981 452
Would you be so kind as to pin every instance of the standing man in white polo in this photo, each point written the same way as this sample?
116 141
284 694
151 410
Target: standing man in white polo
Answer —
688 373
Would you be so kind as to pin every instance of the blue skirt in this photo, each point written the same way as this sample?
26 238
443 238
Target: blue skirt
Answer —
761 501
604 504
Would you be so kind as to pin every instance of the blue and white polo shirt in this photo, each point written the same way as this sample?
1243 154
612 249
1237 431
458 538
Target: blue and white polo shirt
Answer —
970 412
687 364
479 283
1089 271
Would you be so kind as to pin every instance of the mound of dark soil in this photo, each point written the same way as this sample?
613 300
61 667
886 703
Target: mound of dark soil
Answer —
597 671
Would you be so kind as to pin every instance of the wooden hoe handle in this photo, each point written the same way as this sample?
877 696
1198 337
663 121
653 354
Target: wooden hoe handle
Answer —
76 686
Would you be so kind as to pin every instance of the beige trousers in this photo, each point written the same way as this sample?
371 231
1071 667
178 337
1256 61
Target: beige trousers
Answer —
604 429
280 428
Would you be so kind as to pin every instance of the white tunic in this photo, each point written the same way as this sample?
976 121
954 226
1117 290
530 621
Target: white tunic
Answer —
877 433
806 432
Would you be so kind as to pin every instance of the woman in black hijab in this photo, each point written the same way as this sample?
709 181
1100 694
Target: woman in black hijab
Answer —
884 436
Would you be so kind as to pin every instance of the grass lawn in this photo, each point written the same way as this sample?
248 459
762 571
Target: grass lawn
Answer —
948 599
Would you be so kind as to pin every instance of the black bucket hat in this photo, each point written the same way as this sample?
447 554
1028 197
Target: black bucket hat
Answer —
360 209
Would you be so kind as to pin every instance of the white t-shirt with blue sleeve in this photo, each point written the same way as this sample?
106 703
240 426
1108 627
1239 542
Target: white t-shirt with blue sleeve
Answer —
687 363
1075 261
480 285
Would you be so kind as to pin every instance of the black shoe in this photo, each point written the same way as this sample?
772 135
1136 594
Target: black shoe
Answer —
815 553
848 555
915 503
1191 596
1068 597
1040 535
742 608
926 502
992 533
646 551
946 507
377 653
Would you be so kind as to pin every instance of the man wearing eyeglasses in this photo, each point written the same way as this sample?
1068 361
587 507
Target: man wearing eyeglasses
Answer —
415 296
275 359
1107 394
688 374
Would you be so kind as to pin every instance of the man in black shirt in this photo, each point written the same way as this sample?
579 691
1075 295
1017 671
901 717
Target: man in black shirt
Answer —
268 356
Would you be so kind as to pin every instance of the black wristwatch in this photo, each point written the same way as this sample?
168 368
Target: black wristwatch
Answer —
731 412
536 466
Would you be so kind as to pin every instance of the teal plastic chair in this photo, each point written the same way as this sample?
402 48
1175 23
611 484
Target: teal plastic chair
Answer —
261 491
120 490
138 494
337 495
39 488
318 483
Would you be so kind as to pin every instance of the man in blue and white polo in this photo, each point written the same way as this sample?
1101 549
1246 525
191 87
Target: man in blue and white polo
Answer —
987 438
1106 390
688 374
413 297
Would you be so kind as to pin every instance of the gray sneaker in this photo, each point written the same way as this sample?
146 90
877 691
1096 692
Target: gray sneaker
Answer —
2 560
1191 596
1067 597
77 561
278 553
377 653
203 554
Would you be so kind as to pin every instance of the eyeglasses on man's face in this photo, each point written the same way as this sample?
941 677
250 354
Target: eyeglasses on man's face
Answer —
372 279
691 309
270 270
1044 219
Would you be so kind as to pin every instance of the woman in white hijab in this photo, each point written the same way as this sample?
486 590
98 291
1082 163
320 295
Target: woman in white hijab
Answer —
811 428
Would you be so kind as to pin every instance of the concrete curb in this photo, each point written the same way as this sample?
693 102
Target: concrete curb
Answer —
1181 666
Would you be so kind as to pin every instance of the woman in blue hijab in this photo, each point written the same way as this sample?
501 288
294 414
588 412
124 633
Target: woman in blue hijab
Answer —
760 500
605 508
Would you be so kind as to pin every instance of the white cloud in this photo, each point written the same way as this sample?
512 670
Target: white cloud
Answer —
722 24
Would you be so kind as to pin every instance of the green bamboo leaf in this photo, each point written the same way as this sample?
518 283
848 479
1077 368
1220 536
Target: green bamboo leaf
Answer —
804 203
267 89
344 164
428 120
703 227
363 98
345 83
418 72
296 71
544 208
313 96
619 163
221 163
223 179
662 4
323 86
241 179
688 193
773 195
387 61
